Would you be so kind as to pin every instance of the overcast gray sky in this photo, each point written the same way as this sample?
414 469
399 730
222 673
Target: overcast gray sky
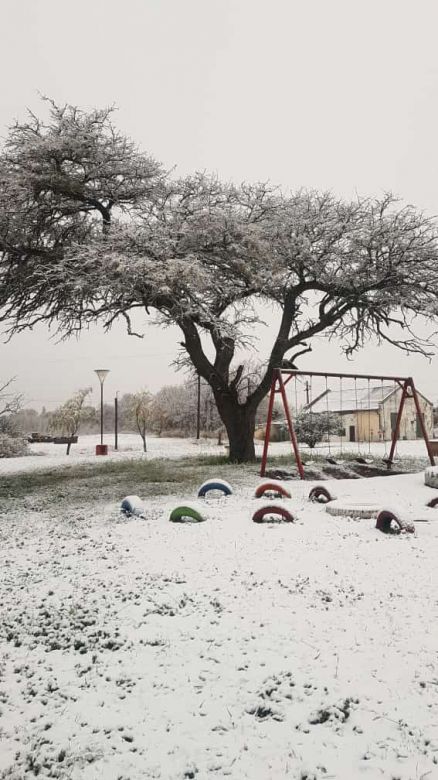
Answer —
332 94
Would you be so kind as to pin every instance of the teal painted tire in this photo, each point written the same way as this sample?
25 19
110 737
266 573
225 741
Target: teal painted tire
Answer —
186 514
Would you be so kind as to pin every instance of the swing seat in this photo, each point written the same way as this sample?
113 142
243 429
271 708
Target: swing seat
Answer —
364 461
332 461
389 462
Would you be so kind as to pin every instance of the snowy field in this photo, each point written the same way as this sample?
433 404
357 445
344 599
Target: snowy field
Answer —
143 649
130 446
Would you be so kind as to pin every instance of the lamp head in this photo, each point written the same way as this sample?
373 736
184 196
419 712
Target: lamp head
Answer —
102 374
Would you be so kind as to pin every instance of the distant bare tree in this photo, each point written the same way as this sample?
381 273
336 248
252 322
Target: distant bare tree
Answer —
68 417
10 402
139 412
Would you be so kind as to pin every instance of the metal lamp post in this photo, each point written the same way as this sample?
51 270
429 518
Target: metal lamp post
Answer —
102 373
116 421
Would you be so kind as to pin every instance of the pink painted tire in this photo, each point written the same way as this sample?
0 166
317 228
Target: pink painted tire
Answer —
320 495
263 514
385 520
271 487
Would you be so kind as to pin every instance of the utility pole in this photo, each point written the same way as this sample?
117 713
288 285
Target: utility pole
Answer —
116 421
198 410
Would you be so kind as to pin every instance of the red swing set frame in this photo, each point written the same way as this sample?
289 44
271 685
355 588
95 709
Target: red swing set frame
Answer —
278 386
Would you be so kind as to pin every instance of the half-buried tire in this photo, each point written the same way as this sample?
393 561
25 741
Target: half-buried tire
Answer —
389 522
132 506
320 495
272 513
274 490
186 514
215 484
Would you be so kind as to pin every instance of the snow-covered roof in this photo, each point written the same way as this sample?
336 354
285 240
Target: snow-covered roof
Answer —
351 400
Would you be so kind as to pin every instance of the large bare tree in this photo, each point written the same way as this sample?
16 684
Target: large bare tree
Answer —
202 255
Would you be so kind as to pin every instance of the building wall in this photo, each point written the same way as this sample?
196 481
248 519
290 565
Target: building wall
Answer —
408 426
366 425
377 425
369 425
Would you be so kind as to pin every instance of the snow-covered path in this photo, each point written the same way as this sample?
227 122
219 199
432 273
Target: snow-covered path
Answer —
142 649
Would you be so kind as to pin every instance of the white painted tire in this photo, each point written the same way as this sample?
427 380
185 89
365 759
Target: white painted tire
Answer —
351 509
132 505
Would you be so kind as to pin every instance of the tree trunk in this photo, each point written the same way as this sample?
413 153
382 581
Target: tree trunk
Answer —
143 438
239 422
68 447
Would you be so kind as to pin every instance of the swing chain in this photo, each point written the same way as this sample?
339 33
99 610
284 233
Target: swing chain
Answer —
328 416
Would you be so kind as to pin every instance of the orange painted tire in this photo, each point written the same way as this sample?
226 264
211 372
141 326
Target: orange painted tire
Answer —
272 487
262 514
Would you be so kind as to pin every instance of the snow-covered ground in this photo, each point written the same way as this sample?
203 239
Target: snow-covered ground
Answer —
130 446
43 456
143 649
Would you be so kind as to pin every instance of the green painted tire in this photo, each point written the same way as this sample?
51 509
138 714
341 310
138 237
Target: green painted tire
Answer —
186 514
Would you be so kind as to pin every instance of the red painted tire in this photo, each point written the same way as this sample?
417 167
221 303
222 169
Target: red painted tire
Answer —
384 520
271 487
272 509
433 502
320 495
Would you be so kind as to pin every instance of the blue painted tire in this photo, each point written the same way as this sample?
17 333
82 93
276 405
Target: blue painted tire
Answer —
132 506
215 484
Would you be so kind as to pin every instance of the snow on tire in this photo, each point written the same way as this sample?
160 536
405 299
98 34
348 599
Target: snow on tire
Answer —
273 513
273 490
186 514
347 509
219 485
132 506
321 495
389 521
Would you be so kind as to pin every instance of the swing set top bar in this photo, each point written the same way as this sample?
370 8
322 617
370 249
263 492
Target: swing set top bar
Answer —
294 372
